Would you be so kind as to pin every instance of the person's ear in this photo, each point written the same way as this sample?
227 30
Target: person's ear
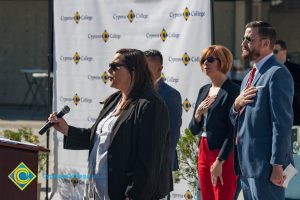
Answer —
266 43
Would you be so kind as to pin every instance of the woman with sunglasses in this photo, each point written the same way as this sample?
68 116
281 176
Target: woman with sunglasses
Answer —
211 122
127 143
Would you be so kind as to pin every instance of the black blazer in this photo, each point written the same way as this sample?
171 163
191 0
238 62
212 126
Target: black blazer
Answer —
137 151
218 126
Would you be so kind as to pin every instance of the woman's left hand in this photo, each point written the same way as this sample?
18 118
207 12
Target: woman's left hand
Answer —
216 172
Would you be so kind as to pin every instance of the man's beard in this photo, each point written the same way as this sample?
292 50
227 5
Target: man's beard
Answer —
250 55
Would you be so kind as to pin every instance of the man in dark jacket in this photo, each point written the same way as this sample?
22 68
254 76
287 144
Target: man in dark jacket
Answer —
172 99
280 50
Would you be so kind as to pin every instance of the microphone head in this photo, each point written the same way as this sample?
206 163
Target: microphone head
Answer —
65 109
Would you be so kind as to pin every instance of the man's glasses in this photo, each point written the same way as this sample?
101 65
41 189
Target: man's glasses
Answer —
211 59
247 39
115 66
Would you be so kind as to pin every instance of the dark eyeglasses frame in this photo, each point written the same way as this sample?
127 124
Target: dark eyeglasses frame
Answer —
247 38
115 66
211 59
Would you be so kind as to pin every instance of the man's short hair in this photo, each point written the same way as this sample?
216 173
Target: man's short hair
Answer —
153 53
282 44
265 30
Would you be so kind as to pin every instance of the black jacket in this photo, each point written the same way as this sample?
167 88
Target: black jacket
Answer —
137 151
219 127
295 72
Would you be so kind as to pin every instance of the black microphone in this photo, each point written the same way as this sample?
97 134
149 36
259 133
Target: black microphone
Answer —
45 128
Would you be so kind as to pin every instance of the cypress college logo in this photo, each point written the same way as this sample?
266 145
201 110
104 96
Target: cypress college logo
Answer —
76 99
130 16
76 58
22 176
163 35
185 59
169 79
105 36
103 77
77 17
186 14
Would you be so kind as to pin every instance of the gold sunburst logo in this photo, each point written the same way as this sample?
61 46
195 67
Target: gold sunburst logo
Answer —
104 77
76 58
163 35
76 99
74 181
186 14
185 59
131 16
105 36
188 195
186 105
76 17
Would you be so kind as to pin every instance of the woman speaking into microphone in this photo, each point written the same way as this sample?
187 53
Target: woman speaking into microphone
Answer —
127 144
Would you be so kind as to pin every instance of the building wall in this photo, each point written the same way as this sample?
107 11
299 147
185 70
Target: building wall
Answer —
23 44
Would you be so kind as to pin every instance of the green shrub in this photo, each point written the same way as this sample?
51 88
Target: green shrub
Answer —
187 150
25 134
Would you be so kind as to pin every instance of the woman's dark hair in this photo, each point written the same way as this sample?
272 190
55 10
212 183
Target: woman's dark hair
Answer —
137 66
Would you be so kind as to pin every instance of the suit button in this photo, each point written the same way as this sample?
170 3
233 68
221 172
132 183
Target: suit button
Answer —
111 170
109 156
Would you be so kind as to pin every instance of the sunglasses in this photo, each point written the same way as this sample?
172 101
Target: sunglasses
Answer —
115 66
247 38
211 59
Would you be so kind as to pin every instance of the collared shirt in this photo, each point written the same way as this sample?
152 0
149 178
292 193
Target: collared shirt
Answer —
260 63
98 166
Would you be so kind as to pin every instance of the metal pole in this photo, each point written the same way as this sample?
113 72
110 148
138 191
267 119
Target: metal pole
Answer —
212 21
50 69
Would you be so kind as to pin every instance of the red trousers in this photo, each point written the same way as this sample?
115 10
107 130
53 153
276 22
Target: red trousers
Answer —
206 158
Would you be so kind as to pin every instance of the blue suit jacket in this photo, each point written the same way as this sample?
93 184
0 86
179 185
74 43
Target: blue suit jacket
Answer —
172 99
264 128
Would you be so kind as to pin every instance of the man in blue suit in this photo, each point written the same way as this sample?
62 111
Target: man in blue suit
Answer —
263 117
172 99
